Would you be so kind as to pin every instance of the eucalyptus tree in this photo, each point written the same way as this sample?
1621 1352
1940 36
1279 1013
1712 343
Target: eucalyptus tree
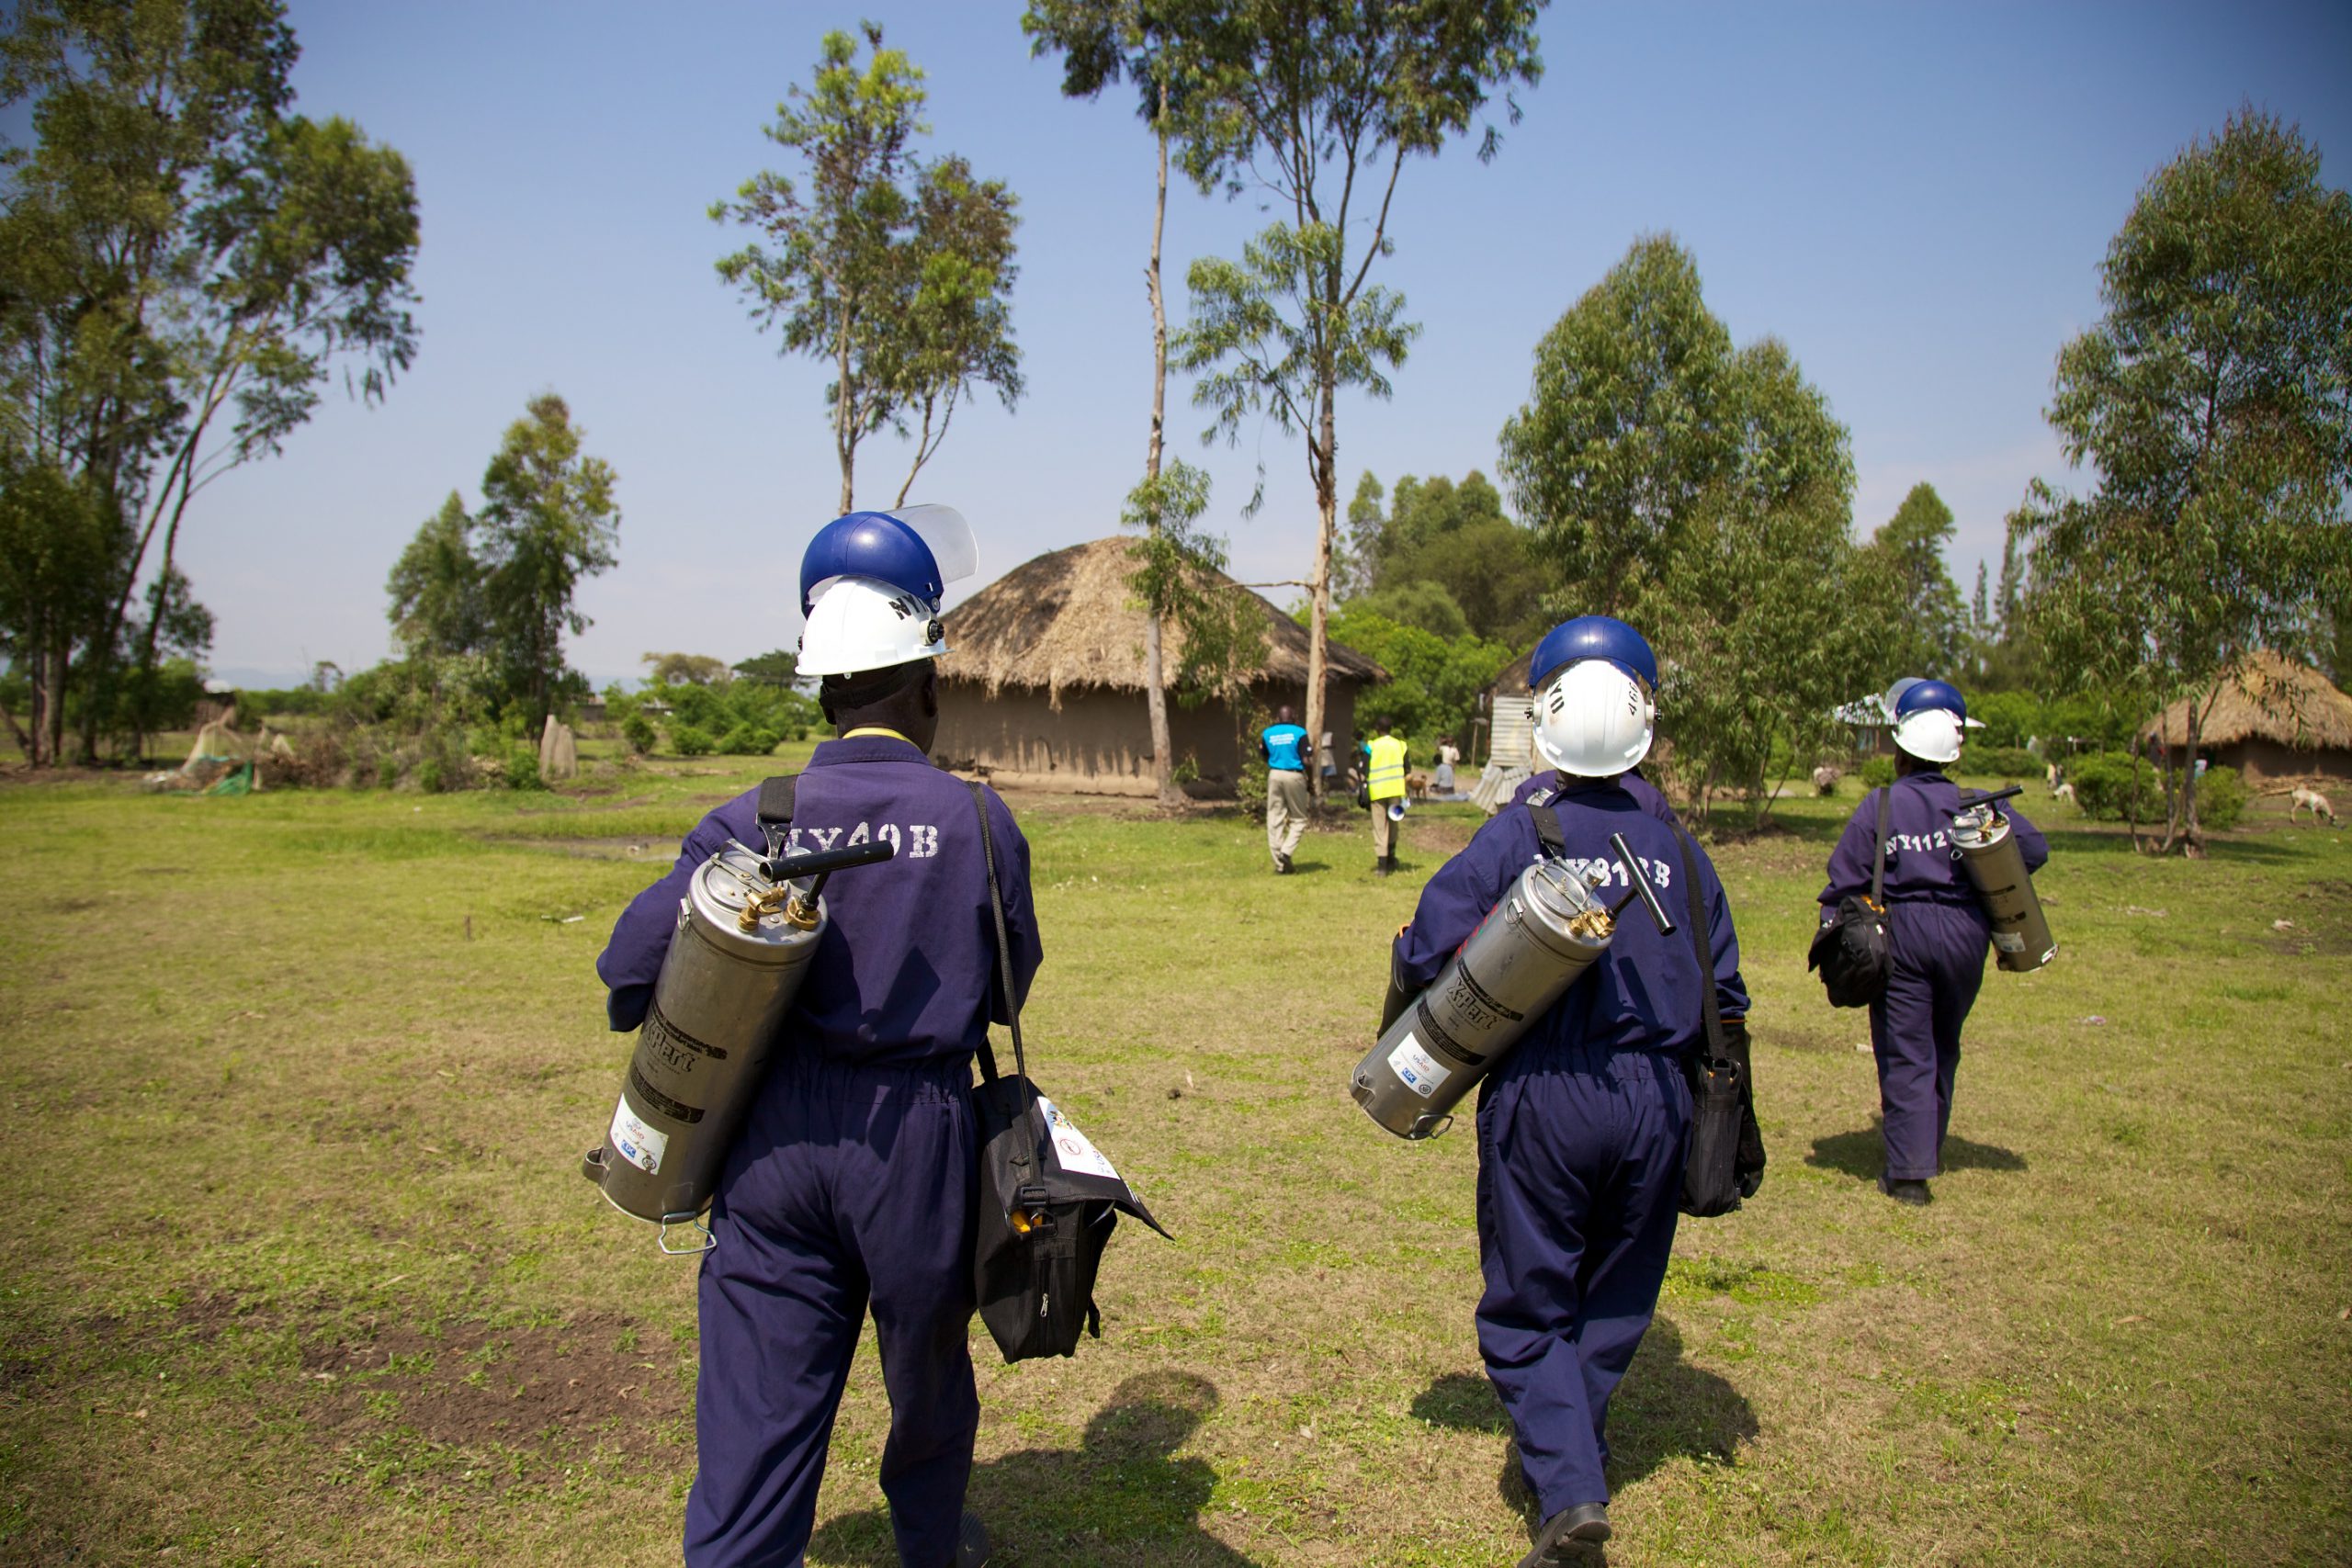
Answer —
188 263
895 271
548 519
1318 104
1151 44
2213 401
1705 492
1925 624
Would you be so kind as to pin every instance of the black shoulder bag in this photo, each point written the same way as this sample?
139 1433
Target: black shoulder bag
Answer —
1047 1200
1726 1159
1850 948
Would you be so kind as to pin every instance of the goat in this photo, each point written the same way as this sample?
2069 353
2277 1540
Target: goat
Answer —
2315 802
1824 779
2063 791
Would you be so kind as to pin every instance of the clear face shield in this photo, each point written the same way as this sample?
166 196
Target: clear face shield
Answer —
943 529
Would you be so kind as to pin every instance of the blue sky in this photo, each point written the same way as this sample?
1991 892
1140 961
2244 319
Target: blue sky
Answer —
1914 199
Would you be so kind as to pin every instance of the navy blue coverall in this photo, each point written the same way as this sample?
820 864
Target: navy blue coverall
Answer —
854 1181
1937 935
1581 1128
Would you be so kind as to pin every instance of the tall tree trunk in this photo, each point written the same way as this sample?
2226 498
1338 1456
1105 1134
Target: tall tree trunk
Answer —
1327 504
1155 687
843 448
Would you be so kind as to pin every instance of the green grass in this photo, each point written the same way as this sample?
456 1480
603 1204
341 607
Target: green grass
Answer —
294 1087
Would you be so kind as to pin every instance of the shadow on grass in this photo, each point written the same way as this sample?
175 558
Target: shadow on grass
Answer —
1120 1498
1863 1154
1665 1409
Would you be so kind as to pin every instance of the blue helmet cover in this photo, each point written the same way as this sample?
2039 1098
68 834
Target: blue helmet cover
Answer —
1593 637
870 544
1924 694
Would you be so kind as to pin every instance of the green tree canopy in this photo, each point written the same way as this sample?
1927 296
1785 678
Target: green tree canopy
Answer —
895 273
1920 613
2213 401
437 588
186 265
1453 537
548 519
1704 493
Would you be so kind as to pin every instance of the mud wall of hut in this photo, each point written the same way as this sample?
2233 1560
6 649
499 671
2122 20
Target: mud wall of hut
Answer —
2262 762
1099 742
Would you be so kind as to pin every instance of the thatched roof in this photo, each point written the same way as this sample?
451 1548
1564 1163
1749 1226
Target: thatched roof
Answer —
1068 619
2267 698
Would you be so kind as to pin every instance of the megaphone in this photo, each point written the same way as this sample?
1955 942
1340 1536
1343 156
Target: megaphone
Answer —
1396 810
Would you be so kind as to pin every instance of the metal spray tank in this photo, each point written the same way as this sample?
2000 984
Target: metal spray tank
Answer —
1994 864
1535 943
745 935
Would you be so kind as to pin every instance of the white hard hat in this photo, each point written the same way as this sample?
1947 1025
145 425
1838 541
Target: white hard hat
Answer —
863 623
1594 720
1932 735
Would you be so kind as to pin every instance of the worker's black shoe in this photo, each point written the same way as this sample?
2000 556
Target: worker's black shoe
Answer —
1281 866
1380 865
1571 1536
1915 1194
972 1543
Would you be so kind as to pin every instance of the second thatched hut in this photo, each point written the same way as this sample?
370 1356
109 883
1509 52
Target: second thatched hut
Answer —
2276 722
1043 682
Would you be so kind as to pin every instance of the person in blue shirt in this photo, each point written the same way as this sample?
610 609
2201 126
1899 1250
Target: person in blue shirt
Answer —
851 1187
1283 745
1936 932
1582 1128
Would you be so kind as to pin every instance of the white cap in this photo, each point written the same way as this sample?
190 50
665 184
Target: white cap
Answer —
1594 720
861 623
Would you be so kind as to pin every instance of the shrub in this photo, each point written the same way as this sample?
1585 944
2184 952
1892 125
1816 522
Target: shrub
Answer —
689 741
1877 771
430 778
523 770
638 731
2002 761
745 741
2221 797
2104 789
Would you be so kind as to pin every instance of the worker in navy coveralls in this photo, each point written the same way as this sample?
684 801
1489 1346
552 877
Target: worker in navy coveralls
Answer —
853 1184
1937 932
1581 1129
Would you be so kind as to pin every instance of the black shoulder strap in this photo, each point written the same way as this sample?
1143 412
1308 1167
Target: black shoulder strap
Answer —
1004 952
1710 1007
1878 861
1547 824
775 810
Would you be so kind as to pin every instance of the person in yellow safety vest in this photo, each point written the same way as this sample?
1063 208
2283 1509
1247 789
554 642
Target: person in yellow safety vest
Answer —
1387 784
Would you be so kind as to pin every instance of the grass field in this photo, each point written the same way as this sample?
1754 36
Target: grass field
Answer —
296 1087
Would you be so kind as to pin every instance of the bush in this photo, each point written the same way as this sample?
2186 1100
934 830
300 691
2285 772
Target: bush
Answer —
689 741
2001 762
430 778
2221 797
2104 788
743 740
1877 772
638 731
523 770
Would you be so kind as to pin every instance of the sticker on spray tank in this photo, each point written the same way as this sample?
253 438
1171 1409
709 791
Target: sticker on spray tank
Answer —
2009 942
1073 1148
639 1144
1415 1067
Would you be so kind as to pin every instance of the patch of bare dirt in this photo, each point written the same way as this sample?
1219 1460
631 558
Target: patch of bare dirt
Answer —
582 1384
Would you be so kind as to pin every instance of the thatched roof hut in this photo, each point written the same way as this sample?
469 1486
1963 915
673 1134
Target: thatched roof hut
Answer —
2273 719
1044 681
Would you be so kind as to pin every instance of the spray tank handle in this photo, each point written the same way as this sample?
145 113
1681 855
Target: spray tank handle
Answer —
817 862
1641 887
1973 801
